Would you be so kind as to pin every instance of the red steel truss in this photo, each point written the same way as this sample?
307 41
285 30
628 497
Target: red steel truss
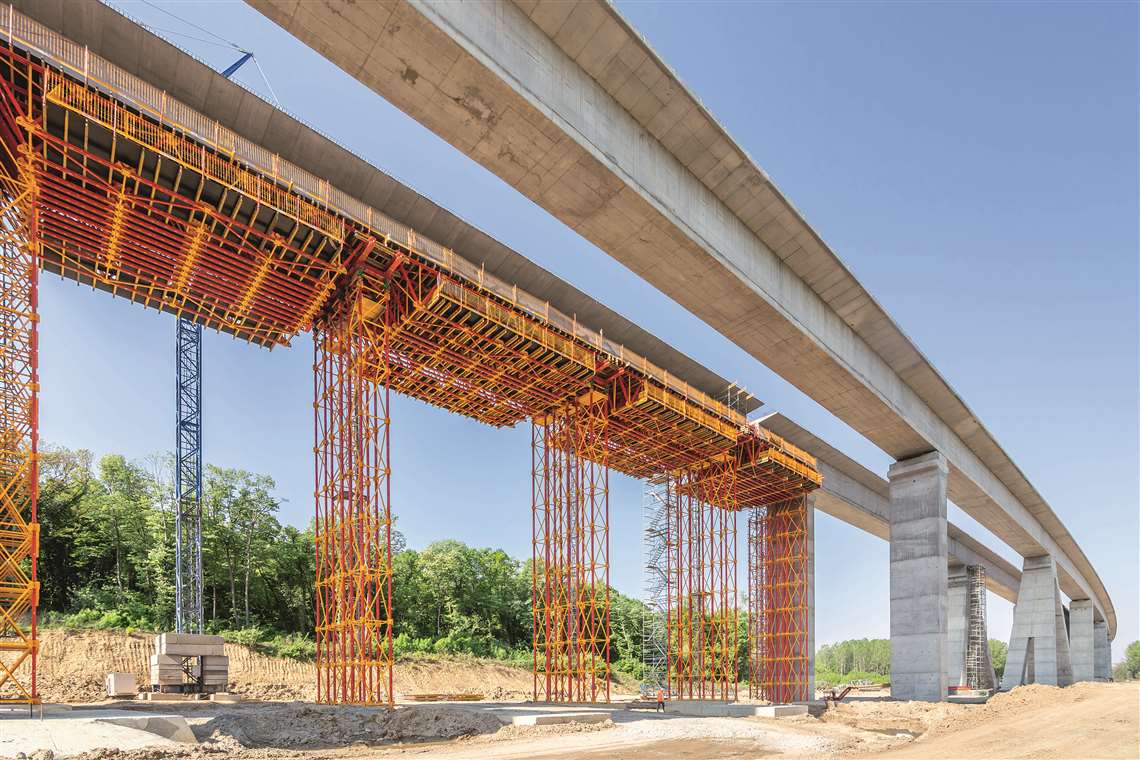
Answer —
702 618
354 508
778 588
570 568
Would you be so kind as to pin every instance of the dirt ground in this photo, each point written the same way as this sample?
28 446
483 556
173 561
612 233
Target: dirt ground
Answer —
73 665
1082 721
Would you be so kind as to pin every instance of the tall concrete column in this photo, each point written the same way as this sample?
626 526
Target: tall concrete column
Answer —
1102 654
957 615
1082 639
918 577
1039 641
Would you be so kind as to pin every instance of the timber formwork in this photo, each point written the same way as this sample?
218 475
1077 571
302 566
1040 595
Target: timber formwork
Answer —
137 195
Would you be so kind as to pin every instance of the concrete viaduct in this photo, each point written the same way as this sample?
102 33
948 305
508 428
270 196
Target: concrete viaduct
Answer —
570 105
567 103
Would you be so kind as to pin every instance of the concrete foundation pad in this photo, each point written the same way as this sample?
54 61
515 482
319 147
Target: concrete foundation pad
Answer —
173 727
67 732
551 719
225 698
711 709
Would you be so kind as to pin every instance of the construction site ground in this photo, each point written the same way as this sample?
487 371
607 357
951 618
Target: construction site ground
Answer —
1083 721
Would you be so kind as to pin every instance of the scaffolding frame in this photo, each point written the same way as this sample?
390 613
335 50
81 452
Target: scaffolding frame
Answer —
979 664
19 433
779 602
188 607
702 618
655 516
570 553
353 504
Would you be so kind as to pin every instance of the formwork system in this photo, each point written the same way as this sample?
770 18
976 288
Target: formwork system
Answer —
778 601
130 192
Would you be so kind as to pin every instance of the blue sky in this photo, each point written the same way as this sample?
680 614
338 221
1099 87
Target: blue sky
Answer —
974 164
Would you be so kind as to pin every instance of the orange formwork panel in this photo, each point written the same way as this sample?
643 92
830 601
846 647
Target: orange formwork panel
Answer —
353 505
570 567
779 603
19 387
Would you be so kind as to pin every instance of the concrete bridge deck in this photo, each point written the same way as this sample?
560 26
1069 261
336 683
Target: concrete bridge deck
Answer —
567 103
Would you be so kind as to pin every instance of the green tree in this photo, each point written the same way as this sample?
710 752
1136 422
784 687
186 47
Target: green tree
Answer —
998 652
1132 660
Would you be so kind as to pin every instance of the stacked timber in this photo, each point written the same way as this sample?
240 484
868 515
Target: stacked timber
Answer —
183 660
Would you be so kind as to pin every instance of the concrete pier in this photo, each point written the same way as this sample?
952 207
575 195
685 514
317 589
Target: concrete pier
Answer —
1039 641
1102 654
919 648
957 615
1082 639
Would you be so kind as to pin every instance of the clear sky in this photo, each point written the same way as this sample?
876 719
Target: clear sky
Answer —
974 164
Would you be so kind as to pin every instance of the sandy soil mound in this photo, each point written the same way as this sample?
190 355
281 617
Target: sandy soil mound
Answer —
429 722
73 664
934 718
295 725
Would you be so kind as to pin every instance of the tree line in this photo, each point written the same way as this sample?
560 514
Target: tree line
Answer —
107 560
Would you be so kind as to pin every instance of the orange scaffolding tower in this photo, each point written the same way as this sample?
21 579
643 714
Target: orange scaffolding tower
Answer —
570 567
19 387
702 616
779 602
354 507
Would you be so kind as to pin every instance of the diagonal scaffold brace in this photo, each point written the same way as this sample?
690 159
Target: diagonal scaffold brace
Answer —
353 501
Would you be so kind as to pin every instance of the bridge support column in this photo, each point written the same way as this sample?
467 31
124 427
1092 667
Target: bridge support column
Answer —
1082 639
919 649
1039 641
1102 654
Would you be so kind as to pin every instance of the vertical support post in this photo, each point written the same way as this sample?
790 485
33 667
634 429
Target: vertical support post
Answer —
188 609
19 439
353 502
781 601
570 581
919 647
